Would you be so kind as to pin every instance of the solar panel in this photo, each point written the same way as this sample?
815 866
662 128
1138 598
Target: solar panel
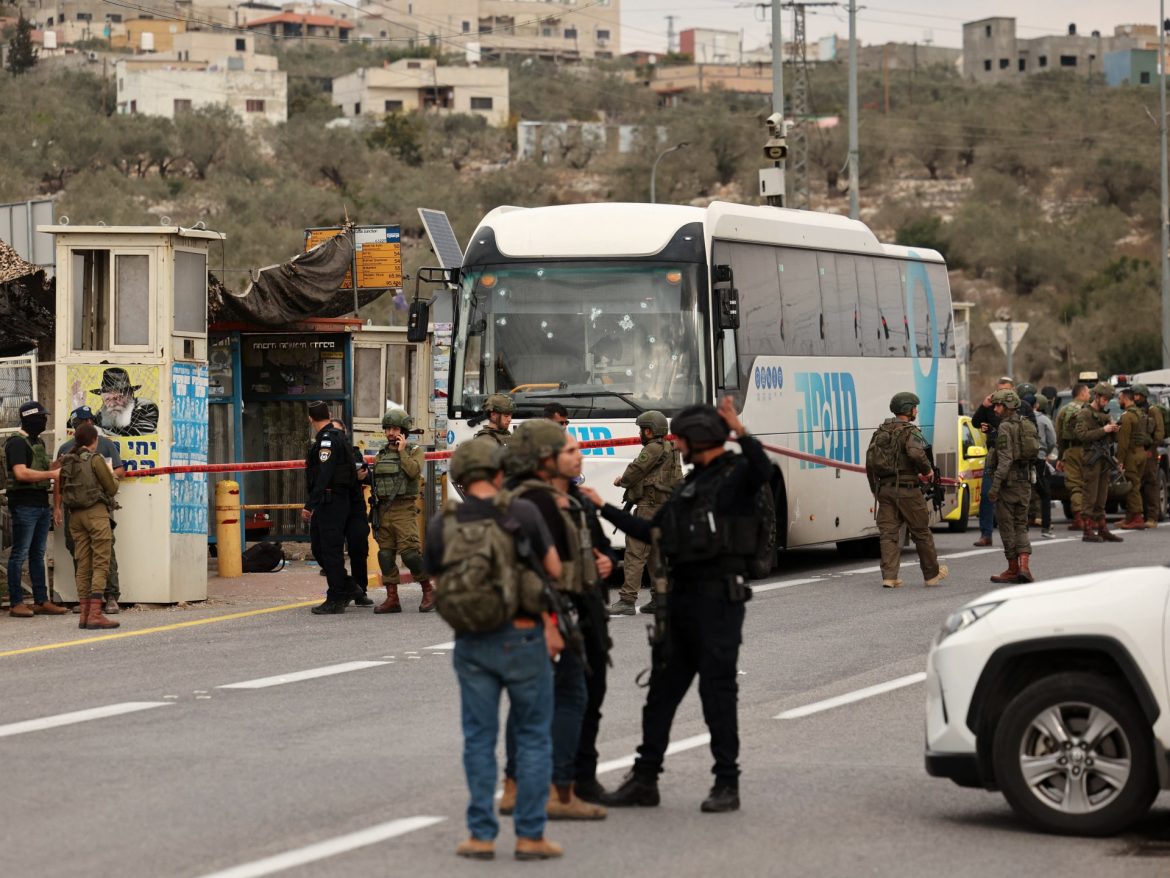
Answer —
442 237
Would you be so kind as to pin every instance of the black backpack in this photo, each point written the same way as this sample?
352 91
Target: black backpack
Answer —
264 558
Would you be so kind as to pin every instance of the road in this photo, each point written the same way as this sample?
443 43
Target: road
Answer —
357 773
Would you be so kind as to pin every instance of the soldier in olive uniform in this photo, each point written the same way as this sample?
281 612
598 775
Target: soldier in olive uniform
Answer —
1134 440
1071 453
1013 462
397 470
1094 429
1151 495
499 408
895 463
648 480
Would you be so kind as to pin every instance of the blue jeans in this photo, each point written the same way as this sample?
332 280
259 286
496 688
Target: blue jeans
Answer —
986 507
486 664
571 697
30 533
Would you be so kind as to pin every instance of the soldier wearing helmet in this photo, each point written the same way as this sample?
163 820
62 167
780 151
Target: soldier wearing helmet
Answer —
1094 429
395 479
648 480
499 408
1156 426
985 421
710 533
543 462
1071 453
896 463
1013 467
1135 441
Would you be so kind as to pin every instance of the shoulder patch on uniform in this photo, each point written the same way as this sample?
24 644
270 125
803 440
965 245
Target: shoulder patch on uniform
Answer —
323 454
643 456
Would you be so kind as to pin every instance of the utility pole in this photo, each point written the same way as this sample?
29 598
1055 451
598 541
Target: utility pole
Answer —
670 33
1165 186
853 151
801 105
778 61
776 146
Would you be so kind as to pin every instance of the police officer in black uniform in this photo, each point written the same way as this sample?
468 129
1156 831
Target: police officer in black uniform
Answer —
335 520
709 532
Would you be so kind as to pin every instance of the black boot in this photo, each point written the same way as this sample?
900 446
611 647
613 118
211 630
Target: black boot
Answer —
589 790
329 608
634 791
721 798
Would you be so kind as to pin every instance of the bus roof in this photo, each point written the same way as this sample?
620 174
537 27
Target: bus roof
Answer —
616 229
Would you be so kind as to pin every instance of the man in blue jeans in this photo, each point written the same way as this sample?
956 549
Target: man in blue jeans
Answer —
985 420
29 490
514 657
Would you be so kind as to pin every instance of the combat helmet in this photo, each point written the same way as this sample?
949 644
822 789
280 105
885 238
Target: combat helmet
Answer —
1025 389
903 403
532 442
653 421
1141 390
1009 399
1104 389
701 426
397 417
499 402
476 460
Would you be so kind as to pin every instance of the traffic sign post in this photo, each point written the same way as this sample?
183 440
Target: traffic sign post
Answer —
1008 334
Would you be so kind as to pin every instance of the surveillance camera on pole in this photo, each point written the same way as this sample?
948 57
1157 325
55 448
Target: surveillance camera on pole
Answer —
775 151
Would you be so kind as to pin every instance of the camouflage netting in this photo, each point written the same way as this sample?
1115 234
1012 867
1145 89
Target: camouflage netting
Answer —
26 305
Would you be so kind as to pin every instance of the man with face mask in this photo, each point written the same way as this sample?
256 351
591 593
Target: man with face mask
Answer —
29 490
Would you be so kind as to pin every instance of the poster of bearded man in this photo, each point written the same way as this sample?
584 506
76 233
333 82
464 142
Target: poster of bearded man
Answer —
123 412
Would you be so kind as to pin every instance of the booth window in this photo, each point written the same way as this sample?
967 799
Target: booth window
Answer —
132 313
190 292
91 299
368 399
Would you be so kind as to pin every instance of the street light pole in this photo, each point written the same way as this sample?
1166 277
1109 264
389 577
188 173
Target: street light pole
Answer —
654 170
1165 186
853 151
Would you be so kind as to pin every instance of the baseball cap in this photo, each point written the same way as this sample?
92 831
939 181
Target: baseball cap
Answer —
81 413
32 407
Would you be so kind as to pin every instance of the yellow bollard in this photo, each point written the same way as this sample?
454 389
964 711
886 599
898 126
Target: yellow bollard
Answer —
227 529
373 570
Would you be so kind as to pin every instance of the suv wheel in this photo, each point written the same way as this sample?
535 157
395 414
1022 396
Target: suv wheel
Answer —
1073 755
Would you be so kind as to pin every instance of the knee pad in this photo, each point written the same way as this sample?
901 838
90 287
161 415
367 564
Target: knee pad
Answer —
387 561
413 561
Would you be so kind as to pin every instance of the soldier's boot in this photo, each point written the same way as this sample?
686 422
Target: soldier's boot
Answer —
943 572
96 621
83 603
537 849
391 604
635 790
649 606
111 606
508 799
1089 531
564 805
1134 522
1151 522
1106 534
1012 574
428 598
1077 523
1025 575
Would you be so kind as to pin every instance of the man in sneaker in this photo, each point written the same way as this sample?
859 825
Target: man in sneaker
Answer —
29 485
648 481
512 657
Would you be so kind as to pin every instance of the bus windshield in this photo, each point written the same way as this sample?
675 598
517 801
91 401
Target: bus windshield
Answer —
604 339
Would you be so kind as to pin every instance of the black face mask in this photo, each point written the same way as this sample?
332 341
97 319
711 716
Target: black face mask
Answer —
34 425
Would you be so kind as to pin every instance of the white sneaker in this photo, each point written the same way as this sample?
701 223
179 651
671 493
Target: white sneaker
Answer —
1049 534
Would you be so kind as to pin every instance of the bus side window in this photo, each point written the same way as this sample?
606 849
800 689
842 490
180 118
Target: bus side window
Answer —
940 289
842 306
761 325
800 287
891 307
867 299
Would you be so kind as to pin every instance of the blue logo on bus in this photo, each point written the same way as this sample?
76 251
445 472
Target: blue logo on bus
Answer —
589 434
925 382
826 420
768 377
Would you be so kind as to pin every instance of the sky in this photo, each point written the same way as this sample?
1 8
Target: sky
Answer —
878 21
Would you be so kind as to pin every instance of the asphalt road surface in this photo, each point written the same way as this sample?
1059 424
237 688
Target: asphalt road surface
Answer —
276 742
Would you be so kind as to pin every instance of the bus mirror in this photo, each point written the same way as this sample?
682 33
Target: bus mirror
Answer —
417 321
729 309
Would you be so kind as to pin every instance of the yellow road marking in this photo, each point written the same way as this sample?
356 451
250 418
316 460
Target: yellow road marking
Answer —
190 624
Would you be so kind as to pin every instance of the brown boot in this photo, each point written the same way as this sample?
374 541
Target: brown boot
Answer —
1089 530
391 604
477 849
428 598
1025 571
21 611
537 849
83 604
96 621
1012 574
1106 534
48 608
508 799
563 805
1151 522
1134 522
1077 523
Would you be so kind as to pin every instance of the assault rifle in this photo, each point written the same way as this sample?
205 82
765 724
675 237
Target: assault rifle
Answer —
933 490
658 632
562 609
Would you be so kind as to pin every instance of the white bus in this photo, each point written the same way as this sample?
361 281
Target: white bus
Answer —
614 309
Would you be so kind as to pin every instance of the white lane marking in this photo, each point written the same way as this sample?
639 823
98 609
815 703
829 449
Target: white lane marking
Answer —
787 584
676 747
296 677
324 849
78 716
450 644
850 697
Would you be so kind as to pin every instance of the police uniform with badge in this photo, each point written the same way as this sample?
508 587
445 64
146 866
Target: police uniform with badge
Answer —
335 520
709 535
1013 468
648 480
895 458
499 408
394 501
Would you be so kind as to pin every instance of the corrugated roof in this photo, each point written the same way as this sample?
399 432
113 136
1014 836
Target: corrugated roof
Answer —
299 18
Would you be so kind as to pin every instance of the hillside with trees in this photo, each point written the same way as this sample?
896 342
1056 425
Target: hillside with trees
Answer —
1042 196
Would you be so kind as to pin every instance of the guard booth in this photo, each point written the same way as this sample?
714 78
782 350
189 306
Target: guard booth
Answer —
131 343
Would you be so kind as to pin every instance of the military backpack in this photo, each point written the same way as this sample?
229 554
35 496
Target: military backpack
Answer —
80 488
1029 440
885 448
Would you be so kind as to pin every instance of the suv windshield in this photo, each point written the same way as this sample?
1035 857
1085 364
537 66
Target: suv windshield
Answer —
604 339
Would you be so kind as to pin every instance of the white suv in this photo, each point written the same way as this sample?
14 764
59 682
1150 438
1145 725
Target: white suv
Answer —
1057 695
